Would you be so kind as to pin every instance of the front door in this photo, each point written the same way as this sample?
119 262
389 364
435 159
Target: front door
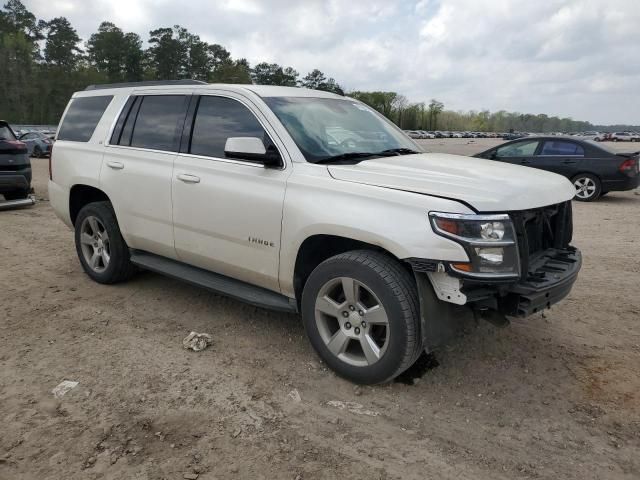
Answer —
519 153
227 213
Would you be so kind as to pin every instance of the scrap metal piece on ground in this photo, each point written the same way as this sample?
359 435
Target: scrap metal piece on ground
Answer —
197 341
63 387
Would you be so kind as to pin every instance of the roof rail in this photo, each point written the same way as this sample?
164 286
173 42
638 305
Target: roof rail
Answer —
149 83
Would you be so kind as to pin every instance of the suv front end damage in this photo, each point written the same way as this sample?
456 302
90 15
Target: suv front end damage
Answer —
520 263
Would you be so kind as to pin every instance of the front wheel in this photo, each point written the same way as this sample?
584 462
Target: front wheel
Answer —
361 312
588 187
37 152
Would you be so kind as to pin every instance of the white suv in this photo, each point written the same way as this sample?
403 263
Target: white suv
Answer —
306 201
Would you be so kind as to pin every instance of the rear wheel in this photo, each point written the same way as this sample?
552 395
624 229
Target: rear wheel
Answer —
361 313
37 151
588 187
102 251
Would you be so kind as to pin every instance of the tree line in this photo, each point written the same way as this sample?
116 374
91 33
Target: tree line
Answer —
42 62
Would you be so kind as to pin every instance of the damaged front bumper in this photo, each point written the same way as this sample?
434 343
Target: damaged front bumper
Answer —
449 300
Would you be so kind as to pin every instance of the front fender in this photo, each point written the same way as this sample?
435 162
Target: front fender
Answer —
396 221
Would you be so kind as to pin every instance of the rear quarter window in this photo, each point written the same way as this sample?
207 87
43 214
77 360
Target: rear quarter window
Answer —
82 117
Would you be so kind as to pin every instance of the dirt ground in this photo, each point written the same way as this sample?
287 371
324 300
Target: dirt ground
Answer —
553 396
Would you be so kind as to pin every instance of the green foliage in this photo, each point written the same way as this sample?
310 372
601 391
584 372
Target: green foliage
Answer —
61 46
273 74
42 64
318 81
115 54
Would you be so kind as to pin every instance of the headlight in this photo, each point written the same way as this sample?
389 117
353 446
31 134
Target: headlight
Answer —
489 240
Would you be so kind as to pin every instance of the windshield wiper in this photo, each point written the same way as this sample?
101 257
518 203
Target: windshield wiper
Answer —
397 151
352 155
347 156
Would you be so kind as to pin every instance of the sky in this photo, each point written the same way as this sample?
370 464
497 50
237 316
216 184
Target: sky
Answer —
571 58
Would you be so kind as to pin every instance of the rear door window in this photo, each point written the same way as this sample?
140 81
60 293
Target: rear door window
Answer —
82 117
158 123
560 147
219 118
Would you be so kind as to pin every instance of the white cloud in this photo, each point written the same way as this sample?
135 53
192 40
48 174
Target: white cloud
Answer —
561 57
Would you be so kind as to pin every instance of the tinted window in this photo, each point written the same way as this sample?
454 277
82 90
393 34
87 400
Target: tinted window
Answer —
159 122
82 118
556 147
219 118
6 133
519 149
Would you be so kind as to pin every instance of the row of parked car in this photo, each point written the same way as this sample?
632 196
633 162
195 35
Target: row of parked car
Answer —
422 134
611 136
38 142
595 136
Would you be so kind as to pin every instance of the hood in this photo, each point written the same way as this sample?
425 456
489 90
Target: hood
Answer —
486 185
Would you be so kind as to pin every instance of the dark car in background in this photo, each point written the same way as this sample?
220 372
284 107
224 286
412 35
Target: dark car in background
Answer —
514 135
38 143
15 166
594 169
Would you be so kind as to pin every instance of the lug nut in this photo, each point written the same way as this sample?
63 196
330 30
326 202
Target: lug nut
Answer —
345 314
364 324
357 330
347 325
361 313
352 308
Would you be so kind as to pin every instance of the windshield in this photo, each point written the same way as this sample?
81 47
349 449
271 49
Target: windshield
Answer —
6 133
327 129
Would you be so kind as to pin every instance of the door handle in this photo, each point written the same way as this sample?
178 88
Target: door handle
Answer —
568 161
187 178
115 165
525 161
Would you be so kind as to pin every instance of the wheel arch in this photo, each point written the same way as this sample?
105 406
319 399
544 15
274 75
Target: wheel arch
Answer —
81 195
315 249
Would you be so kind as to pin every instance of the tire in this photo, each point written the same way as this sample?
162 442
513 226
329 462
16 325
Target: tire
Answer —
374 351
98 238
588 187
37 152
16 195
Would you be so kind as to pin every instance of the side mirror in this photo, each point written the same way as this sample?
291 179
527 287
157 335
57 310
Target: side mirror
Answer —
493 155
252 148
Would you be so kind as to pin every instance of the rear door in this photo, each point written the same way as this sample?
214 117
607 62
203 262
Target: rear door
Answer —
138 165
561 156
227 213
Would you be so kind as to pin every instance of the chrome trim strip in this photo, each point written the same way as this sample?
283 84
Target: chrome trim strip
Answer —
471 216
488 276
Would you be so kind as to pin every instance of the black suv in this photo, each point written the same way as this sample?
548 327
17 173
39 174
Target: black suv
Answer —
15 166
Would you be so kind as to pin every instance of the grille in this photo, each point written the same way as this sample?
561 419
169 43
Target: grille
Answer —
541 229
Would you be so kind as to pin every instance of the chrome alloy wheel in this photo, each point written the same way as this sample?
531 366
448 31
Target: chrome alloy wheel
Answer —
94 242
352 321
585 187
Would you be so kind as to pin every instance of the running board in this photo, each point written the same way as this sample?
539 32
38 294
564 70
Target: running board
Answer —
24 202
245 292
